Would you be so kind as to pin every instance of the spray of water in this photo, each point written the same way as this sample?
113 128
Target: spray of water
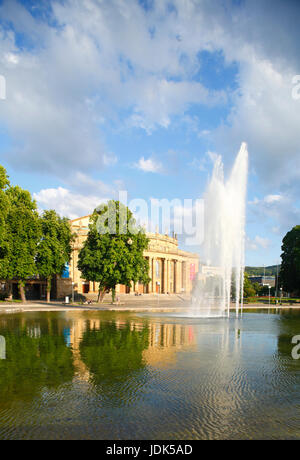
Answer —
223 272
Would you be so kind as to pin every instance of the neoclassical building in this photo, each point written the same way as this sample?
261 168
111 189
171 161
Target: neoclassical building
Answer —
172 270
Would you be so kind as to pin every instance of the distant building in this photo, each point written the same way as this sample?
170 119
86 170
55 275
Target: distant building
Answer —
263 280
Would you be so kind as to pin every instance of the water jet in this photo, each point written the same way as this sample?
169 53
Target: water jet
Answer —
224 241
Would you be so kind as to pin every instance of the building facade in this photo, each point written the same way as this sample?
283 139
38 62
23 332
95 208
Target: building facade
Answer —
171 269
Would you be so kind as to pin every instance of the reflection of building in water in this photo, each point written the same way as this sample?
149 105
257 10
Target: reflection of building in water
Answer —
75 336
165 340
34 331
2 347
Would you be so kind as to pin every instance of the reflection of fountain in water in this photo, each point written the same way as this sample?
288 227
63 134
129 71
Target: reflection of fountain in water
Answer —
224 240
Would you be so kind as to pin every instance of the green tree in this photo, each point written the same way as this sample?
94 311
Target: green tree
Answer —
113 251
23 234
249 289
54 249
4 206
290 265
257 287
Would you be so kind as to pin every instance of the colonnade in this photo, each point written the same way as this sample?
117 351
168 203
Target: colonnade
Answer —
167 275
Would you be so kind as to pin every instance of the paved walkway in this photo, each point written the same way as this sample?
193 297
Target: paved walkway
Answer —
147 302
126 303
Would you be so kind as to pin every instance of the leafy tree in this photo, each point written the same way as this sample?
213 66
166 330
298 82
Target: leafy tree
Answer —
4 206
249 289
290 266
113 251
257 287
23 234
54 249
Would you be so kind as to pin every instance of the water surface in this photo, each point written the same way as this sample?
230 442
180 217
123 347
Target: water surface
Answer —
105 375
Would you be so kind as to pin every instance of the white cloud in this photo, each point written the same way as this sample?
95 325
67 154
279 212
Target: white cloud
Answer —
107 58
277 211
149 165
272 198
157 100
66 203
268 118
86 185
257 243
65 83
263 242
199 163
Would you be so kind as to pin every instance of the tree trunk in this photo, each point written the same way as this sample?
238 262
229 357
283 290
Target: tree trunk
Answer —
10 294
48 289
113 294
101 294
22 292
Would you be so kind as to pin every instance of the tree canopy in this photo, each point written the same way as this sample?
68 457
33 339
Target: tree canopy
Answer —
4 206
23 233
249 288
290 265
54 249
113 251
30 244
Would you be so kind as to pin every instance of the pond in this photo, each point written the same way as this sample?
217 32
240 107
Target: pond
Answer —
109 375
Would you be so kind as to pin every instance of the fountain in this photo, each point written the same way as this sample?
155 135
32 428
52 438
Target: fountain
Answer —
224 241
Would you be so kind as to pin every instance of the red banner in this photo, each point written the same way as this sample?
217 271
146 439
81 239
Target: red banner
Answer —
192 272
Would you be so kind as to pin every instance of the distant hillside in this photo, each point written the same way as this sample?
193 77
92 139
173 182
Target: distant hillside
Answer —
259 271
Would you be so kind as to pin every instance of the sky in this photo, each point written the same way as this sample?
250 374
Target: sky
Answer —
105 96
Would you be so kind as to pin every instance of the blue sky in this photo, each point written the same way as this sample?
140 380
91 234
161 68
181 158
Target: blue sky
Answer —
139 95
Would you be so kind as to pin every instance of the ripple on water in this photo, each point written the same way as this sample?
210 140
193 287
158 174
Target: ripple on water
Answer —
222 379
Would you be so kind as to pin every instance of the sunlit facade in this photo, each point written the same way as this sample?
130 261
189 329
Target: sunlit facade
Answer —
171 269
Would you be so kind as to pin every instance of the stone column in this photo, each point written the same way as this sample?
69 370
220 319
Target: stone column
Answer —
169 275
174 275
150 274
178 276
183 275
164 287
154 274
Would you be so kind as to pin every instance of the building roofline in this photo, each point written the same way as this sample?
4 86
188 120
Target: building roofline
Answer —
79 218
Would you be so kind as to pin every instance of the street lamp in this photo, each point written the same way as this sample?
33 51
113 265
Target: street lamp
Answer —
281 296
269 293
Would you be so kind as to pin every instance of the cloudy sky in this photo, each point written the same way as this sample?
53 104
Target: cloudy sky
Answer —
138 95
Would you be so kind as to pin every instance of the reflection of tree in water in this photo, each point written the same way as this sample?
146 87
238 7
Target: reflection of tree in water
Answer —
114 357
36 357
